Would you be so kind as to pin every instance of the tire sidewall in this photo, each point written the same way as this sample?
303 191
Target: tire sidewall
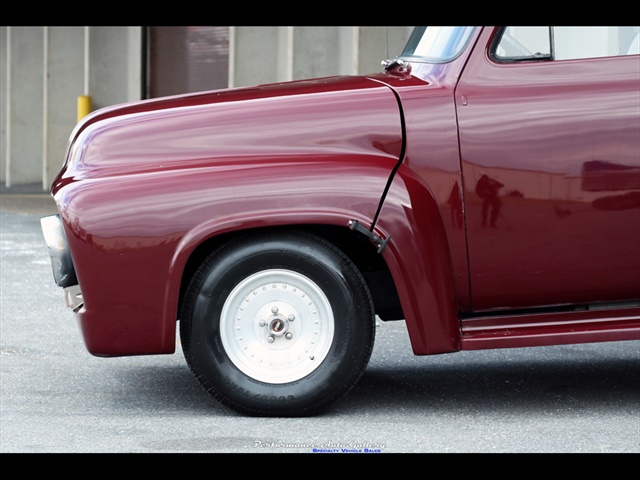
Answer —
324 266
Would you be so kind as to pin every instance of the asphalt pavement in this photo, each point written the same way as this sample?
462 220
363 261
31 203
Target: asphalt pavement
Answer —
26 199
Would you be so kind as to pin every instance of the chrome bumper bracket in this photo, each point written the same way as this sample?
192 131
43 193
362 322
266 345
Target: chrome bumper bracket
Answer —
73 297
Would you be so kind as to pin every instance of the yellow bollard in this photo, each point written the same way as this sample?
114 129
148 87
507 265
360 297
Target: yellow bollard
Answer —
84 106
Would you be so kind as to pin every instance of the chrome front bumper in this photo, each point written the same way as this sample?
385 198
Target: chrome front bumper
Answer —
64 272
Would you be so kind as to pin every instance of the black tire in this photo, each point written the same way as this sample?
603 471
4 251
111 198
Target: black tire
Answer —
245 300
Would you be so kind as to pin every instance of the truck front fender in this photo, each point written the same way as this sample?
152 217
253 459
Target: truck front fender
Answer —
418 257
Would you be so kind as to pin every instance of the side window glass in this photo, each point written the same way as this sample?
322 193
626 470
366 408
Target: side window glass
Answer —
592 42
518 44
523 43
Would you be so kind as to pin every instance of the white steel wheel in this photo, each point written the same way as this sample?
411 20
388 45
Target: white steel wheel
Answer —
277 326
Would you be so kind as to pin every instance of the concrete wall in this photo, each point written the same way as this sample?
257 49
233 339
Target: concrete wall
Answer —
43 71
65 56
277 54
115 65
259 55
22 104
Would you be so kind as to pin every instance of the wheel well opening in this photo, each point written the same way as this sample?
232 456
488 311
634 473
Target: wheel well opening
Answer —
357 247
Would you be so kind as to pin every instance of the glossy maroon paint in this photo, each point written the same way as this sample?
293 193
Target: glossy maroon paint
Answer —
533 128
145 184
141 190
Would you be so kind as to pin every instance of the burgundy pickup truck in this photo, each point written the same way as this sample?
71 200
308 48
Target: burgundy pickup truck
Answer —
484 188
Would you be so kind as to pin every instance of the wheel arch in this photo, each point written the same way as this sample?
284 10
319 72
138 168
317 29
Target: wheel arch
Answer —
410 279
196 246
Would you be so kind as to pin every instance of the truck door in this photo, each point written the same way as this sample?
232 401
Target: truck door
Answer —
550 149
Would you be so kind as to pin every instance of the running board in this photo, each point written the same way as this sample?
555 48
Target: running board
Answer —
558 328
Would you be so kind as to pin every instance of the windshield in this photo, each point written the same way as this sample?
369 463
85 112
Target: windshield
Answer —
436 44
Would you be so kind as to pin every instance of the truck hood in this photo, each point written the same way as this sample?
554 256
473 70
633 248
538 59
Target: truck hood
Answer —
354 118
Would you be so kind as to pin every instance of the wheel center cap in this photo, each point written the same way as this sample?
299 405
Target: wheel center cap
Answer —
278 326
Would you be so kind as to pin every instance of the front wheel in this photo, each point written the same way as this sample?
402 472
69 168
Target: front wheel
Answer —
277 324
